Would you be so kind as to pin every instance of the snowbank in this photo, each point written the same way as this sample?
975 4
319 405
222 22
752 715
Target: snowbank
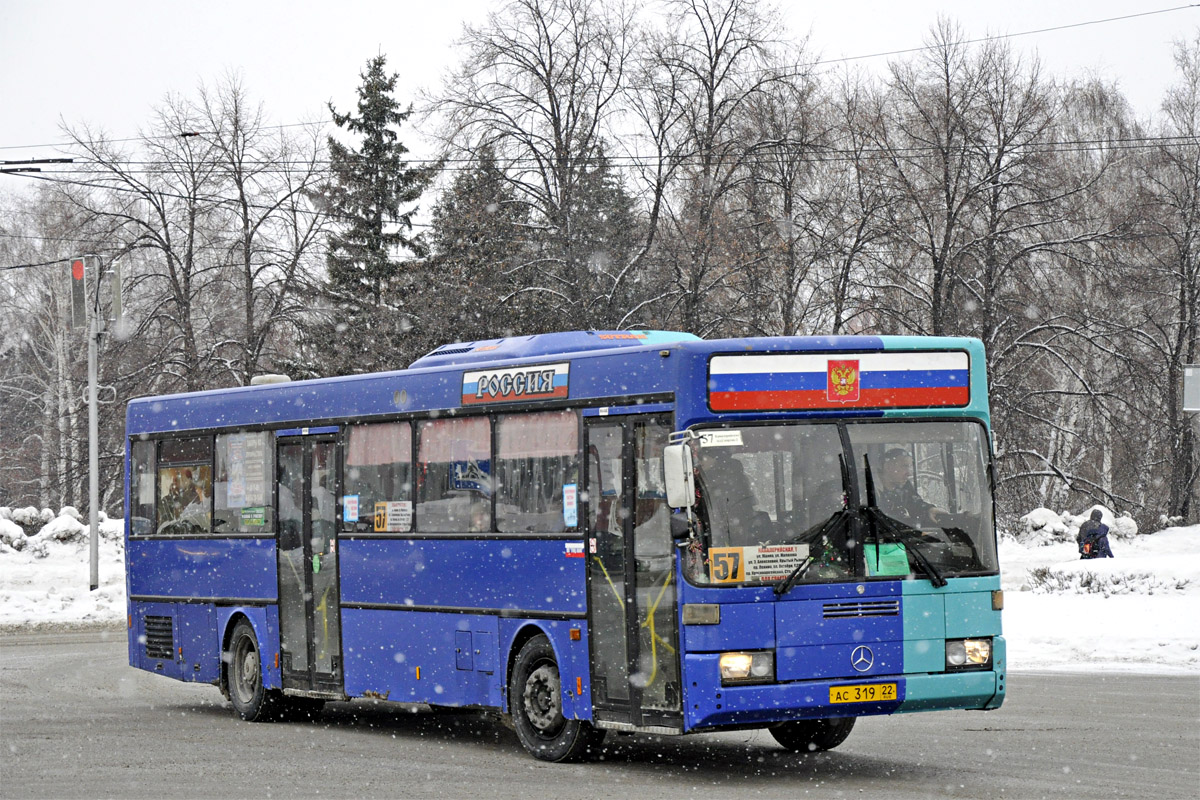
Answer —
45 575
1138 611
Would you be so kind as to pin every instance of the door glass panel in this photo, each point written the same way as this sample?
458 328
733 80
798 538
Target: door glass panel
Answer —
658 664
292 614
322 482
607 515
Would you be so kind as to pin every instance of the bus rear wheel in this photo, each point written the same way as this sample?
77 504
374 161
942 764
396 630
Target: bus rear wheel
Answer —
811 735
535 701
251 700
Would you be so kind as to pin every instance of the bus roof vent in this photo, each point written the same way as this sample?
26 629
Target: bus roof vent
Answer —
545 344
263 380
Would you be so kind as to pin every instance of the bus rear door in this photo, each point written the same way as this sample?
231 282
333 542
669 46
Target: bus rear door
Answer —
309 610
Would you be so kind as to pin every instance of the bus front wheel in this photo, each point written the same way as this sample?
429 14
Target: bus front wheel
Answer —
251 700
811 735
535 701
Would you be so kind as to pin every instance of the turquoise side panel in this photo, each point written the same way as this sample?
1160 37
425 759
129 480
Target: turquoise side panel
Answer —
971 614
924 632
961 609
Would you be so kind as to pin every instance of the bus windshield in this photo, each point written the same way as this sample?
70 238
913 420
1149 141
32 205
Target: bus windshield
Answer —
840 501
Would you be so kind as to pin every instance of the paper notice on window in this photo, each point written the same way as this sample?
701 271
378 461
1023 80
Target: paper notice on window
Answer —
759 563
247 464
393 516
350 508
570 505
720 438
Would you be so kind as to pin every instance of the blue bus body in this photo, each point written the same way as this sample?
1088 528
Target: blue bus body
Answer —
441 616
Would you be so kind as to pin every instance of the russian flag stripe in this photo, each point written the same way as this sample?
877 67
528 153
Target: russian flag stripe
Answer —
801 381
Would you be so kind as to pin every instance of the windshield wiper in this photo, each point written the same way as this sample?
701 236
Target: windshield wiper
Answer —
910 538
819 533
829 526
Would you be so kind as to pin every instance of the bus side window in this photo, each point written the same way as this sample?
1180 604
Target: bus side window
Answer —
537 472
185 486
243 489
141 492
453 460
377 474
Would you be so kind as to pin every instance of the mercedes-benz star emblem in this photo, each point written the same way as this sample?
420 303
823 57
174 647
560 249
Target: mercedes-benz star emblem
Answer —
862 659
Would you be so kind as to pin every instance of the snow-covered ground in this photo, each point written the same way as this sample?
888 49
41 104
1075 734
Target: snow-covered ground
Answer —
1138 611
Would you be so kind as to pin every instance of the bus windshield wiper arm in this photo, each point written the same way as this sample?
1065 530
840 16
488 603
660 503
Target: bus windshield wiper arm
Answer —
911 540
829 526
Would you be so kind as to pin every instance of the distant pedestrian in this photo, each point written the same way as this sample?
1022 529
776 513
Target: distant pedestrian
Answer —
1093 538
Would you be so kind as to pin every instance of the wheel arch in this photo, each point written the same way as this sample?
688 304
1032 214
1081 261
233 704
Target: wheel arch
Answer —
523 634
262 623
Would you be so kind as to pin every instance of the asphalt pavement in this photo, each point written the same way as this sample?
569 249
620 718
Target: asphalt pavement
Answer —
77 721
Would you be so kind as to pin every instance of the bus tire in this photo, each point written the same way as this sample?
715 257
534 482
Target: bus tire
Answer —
251 700
811 735
535 703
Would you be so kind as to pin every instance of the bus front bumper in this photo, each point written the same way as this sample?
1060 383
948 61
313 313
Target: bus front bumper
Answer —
710 705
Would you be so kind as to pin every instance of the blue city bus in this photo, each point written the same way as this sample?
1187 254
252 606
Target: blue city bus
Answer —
638 531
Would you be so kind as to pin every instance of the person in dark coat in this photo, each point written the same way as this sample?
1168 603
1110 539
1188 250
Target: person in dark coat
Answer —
896 495
1093 538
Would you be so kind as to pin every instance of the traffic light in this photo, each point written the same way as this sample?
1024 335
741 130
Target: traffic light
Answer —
78 277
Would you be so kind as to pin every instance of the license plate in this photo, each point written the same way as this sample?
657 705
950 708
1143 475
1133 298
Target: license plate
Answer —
863 693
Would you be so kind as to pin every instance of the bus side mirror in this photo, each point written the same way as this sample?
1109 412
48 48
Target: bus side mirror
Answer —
680 527
677 471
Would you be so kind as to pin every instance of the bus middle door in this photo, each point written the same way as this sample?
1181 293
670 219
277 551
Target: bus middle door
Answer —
309 608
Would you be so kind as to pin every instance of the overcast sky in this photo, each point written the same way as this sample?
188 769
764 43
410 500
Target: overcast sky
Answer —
108 63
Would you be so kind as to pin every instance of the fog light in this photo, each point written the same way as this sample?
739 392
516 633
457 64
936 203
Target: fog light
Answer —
755 667
968 653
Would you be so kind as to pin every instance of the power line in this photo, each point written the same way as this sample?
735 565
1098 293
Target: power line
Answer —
766 152
999 37
795 67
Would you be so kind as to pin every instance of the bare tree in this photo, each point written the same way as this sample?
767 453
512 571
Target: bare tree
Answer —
1170 336
723 55
540 83
273 232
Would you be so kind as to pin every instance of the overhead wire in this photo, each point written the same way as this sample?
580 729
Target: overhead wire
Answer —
794 67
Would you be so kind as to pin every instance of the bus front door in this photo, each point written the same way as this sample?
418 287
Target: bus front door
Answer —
631 591
309 614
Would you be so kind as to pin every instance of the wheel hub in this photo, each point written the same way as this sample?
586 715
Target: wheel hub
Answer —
543 705
246 672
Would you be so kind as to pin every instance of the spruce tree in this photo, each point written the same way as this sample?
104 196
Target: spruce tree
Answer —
373 253
478 234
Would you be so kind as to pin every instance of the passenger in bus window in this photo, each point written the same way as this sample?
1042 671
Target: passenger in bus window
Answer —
896 495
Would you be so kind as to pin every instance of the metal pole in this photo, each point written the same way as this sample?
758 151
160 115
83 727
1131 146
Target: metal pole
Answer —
93 329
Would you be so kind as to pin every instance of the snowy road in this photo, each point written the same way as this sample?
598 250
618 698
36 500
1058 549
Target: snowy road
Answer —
78 722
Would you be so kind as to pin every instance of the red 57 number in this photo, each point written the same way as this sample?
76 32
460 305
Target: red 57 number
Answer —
726 564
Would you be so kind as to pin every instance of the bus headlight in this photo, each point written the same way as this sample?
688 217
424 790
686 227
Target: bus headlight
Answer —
747 667
968 653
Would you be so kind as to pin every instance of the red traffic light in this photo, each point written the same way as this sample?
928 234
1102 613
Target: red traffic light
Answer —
77 269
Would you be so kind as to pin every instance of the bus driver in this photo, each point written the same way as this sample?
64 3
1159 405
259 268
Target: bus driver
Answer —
898 497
